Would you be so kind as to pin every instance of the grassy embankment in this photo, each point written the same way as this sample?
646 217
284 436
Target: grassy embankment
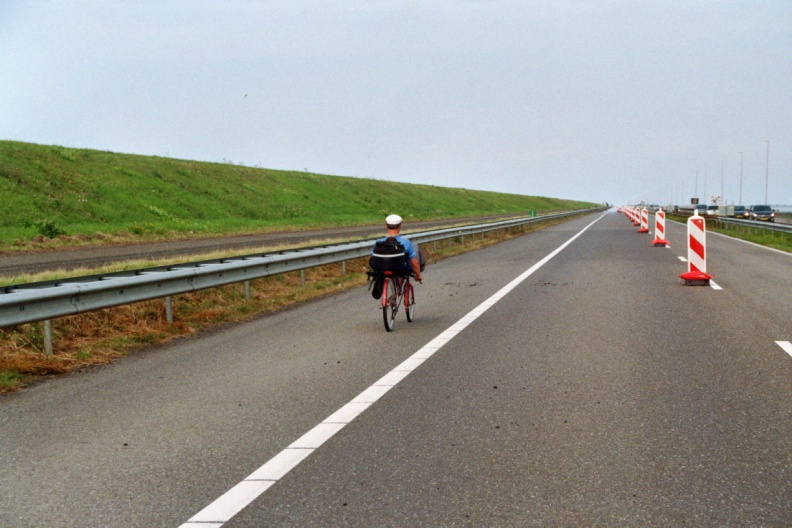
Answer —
82 196
57 196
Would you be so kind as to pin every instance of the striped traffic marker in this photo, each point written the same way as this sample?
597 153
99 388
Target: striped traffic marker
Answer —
697 252
644 221
659 239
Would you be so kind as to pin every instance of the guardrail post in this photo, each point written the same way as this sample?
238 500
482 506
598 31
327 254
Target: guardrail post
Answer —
343 267
169 309
302 278
48 337
247 290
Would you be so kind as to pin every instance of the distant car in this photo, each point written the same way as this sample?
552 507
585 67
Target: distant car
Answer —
701 208
712 210
763 213
740 211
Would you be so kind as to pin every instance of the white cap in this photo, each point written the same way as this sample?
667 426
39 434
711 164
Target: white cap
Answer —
393 220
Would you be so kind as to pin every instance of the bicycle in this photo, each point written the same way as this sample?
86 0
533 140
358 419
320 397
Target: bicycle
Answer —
396 288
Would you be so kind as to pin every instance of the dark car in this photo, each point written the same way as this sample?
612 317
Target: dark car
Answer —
763 213
740 211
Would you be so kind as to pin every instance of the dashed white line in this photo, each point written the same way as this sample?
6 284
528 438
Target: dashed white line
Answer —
786 346
234 500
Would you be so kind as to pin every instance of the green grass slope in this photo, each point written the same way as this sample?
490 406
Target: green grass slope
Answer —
53 190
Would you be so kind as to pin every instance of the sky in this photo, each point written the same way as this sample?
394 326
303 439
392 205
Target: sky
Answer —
616 101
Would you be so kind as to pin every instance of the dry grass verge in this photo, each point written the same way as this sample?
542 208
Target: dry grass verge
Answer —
99 337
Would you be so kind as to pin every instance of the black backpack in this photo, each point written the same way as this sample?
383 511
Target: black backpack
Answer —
388 255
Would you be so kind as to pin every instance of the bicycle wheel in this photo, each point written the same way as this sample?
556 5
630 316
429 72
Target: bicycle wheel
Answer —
389 303
409 301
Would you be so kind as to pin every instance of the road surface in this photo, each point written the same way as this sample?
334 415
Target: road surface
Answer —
563 378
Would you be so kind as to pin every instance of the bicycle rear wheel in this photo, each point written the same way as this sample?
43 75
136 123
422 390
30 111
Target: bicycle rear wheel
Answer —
389 304
409 301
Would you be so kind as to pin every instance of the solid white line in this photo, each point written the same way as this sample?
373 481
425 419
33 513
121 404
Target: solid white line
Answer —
786 345
231 503
279 465
317 436
234 500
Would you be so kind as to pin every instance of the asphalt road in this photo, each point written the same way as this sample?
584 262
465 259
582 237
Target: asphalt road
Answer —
597 391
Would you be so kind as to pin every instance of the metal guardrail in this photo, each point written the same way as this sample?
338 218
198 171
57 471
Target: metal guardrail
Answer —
43 301
770 226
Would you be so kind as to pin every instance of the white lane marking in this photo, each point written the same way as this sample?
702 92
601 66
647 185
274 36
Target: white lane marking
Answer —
786 345
234 500
231 502
683 259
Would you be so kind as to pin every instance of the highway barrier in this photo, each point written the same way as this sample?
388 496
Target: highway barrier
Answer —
697 252
644 221
659 238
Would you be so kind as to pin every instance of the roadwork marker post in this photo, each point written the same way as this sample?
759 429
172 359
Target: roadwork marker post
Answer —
659 239
697 252
644 221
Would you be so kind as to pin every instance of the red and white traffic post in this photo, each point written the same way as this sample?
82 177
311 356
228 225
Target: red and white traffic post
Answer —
644 221
697 252
659 239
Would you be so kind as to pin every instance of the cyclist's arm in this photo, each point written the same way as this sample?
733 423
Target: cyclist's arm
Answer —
416 269
413 256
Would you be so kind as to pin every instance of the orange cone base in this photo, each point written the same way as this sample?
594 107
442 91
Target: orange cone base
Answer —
643 230
696 278
660 242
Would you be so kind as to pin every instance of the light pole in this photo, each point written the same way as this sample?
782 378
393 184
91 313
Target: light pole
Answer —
741 175
722 198
695 190
767 168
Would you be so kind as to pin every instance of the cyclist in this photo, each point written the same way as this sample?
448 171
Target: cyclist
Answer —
394 223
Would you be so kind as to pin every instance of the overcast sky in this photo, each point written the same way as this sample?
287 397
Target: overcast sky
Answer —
598 100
